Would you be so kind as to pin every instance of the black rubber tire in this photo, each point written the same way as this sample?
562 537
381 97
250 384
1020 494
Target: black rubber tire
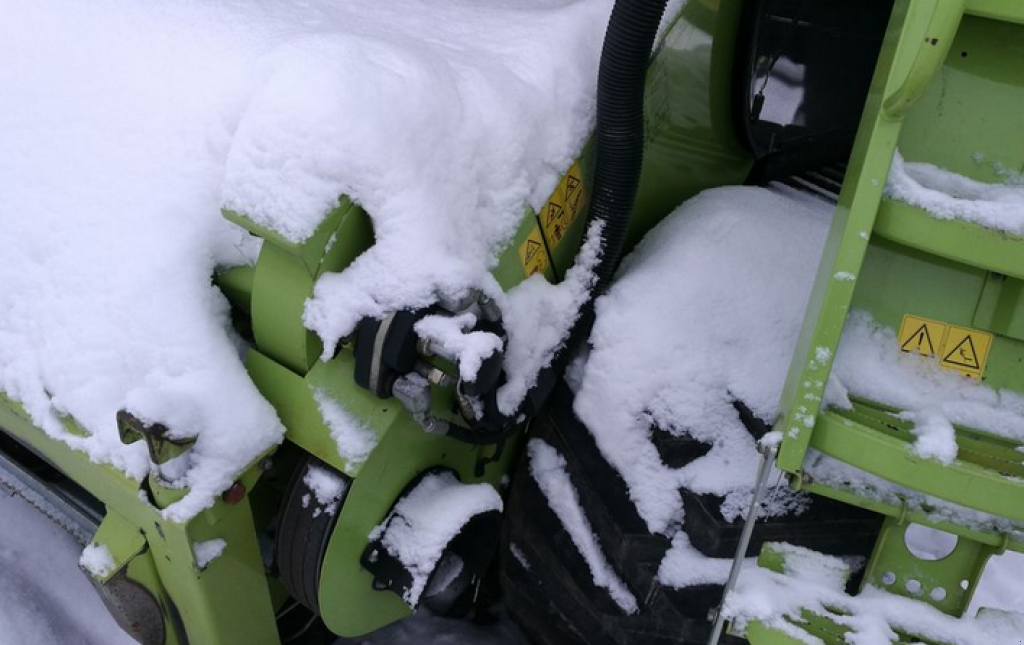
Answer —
548 587
302 537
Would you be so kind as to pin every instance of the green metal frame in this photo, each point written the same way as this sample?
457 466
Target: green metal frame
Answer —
943 91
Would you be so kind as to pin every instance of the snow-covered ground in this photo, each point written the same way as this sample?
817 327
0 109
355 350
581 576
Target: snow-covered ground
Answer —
44 598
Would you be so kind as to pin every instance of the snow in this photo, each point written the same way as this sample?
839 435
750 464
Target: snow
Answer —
114 149
705 310
538 317
936 437
443 124
816 582
452 335
327 487
44 597
423 522
355 441
443 119
207 551
685 566
947 195
675 352
96 559
869 365
548 469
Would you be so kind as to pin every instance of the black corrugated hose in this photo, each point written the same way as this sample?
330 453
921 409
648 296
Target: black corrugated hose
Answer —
619 135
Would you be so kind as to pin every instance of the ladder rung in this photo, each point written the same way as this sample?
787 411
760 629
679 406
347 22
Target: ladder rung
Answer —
957 240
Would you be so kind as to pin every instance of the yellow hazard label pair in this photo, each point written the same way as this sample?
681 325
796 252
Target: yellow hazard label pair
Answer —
556 216
959 348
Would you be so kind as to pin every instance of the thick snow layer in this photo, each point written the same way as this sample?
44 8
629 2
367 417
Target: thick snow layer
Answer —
548 469
815 581
442 119
427 519
354 439
707 310
114 144
947 195
207 551
44 597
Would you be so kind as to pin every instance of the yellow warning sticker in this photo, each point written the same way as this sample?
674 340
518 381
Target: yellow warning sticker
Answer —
966 350
959 348
921 335
532 254
565 205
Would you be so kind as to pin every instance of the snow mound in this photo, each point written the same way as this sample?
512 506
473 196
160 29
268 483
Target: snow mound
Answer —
423 522
707 311
114 146
947 195
442 120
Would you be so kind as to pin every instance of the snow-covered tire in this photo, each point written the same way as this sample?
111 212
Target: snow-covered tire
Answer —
548 586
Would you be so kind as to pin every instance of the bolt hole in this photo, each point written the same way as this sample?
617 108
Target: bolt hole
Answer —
914 586
929 544
888 578
938 594
963 54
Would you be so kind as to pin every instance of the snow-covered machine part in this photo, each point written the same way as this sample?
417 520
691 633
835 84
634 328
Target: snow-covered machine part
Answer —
437 540
412 215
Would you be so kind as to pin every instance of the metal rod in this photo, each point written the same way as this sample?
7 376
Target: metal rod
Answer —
763 471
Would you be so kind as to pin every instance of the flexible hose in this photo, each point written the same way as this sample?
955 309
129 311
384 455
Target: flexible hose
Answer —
619 135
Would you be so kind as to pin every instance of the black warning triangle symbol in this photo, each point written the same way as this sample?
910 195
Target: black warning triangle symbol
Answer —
571 184
964 355
920 341
531 249
554 212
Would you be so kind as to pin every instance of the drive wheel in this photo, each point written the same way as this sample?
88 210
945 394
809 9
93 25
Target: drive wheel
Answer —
548 586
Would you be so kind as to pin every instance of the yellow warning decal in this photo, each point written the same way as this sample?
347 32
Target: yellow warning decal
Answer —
959 348
922 335
565 205
966 350
532 254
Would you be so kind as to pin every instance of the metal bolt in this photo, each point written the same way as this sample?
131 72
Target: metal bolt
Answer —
234 494
266 464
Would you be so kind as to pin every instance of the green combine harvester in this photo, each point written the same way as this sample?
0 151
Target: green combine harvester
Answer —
939 80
